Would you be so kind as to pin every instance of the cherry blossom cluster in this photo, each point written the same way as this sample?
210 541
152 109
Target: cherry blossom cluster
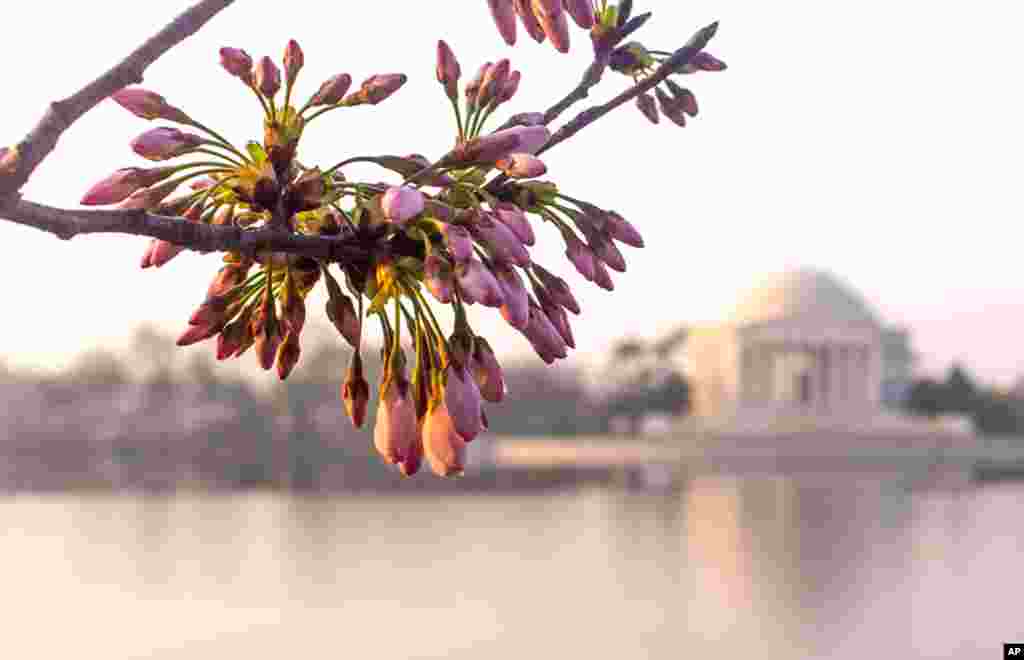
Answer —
444 229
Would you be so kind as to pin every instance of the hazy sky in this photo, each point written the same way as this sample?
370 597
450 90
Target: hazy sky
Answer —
880 140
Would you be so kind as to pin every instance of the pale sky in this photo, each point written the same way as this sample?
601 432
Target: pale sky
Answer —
880 140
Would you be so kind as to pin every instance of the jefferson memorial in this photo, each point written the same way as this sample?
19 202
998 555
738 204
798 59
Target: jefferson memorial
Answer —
801 351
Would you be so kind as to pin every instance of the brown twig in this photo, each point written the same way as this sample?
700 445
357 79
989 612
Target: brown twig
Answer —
67 224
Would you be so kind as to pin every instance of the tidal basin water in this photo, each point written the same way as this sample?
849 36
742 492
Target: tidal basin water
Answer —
819 566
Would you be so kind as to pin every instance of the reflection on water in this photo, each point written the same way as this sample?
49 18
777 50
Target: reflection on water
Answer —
820 567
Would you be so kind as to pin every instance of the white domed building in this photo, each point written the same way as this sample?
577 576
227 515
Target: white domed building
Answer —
802 350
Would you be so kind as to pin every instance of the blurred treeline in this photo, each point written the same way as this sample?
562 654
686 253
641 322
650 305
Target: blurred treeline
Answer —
156 415
992 411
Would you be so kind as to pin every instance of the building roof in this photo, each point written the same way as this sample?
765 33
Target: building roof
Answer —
804 292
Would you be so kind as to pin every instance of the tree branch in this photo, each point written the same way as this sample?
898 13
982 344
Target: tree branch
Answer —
67 224
40 142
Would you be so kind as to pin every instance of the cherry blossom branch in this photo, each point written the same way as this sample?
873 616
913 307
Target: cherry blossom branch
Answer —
67 224
41 141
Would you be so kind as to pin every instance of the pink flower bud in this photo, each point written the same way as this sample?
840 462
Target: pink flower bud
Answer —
462 397
163 143
514 218
527 119
149 198
197 333
516 310
238 63
293 61
395 432
410 465
702 62
543 336
147 256
497 145
509 89
487 372
458 241
163 251
355 391
378 87
267 77
400 203
448 70
332 91
493 83
505 18
557 289
437 275
122 183
581 256
551 16
582 12
522 166
559 319
670 108
288 355
648 106
148 105
342 313
502 242
444 450
266 348
231 338
601 276
477 284
605 250
526 16
621 230
473 88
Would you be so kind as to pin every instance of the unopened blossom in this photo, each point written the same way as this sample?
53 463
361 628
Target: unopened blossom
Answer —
377 88
513 217
438 278
558 318
581 11
410 464
332 91
148 105
516 309
477 284
493 82
293 61
702 61
504 16
267 343
551 16
622 230
400 203
605 250
487 372
395 431
509 89
497 145
443 448
288 354
164 143
458 242
8 160
194 334
581 256
355 391
122 183
232 337
543 336
524 9
557 289
163 251
649 107
342 313
238 63
476 82
448 69
527 119
602 277
267 77
501 240
522 166
670 107
462 397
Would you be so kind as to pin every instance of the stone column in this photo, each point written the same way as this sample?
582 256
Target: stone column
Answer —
823 376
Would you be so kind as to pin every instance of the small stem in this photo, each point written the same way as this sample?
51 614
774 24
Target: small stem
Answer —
221 139
218 155
458 119
263 102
